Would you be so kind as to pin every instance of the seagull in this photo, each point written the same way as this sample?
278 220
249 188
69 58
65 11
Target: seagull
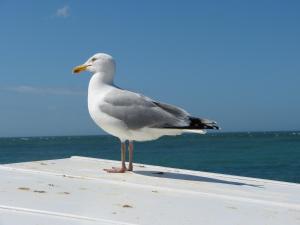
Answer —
131 116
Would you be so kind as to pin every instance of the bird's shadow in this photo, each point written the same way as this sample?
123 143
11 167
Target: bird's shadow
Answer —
188 177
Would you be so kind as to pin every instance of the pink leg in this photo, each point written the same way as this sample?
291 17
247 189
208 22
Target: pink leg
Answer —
123 158
130 167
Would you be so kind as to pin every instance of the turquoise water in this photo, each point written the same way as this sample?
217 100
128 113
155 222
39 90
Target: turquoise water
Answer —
270 155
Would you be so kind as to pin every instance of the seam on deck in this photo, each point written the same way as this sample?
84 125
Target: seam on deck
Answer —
64 215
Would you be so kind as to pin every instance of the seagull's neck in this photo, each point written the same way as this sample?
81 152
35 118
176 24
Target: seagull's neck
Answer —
100 80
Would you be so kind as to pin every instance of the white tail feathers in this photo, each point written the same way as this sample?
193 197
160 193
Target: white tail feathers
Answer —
194 131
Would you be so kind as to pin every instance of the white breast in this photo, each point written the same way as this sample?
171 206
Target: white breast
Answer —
109 124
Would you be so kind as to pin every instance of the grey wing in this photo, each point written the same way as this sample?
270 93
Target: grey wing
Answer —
138 111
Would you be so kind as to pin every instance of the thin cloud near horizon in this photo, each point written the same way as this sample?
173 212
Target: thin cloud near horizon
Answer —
63 12
42 90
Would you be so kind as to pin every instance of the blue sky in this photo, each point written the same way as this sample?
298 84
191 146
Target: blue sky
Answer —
237 62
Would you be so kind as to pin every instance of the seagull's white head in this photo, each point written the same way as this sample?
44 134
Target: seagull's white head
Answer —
98 63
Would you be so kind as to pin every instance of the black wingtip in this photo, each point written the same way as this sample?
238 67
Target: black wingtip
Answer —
197 123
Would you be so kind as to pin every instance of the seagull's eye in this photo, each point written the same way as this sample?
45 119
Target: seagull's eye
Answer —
94 59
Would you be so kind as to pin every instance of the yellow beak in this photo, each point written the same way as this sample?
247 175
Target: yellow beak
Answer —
80 68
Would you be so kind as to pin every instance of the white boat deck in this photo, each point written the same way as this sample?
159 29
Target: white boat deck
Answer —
77 191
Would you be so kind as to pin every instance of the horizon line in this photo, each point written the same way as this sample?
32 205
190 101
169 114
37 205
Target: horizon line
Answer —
86 135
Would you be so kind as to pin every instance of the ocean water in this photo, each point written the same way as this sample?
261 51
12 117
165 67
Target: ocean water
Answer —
269 155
